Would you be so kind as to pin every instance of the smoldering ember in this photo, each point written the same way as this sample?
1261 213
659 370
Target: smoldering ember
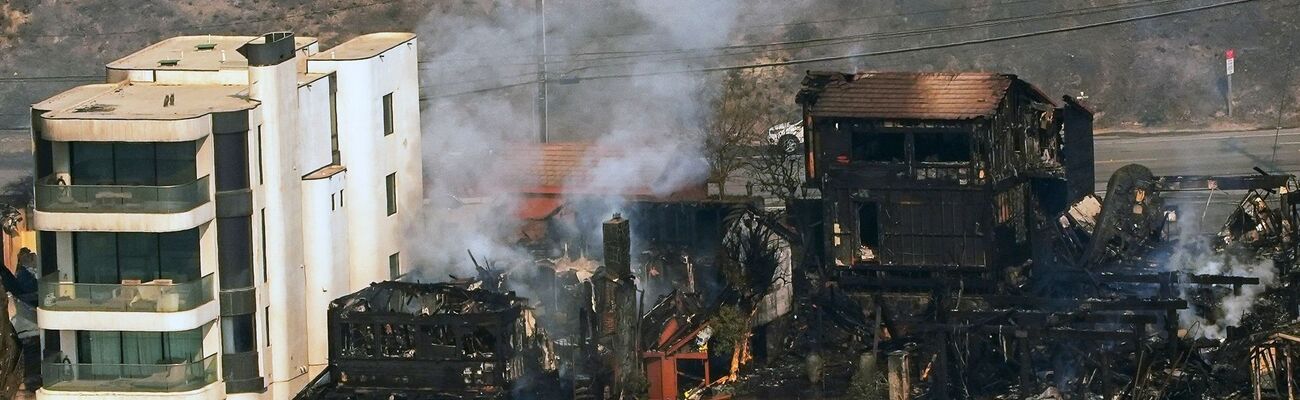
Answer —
651 199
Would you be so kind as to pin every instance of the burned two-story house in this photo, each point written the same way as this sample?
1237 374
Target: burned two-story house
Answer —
938 171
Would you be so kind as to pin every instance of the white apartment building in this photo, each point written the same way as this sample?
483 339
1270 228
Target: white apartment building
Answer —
198 211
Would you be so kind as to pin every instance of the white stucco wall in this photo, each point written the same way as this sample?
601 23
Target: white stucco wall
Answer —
276 86
370 156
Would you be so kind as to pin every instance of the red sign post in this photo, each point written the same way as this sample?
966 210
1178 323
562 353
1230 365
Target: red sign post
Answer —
1230 58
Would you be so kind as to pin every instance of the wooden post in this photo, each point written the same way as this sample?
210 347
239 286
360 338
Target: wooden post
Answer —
1026 368
1106 389
940 387
1290 378
900 376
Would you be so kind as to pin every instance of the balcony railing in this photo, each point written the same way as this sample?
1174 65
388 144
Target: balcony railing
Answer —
181 377
153 296
54 197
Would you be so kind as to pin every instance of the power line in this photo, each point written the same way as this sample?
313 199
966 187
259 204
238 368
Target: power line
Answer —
704 52
860 18
929 47
875 53
811 43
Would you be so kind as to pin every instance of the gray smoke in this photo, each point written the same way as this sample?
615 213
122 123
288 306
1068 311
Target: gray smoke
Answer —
476 74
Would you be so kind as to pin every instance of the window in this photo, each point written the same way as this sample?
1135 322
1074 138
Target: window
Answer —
266 314
264 268
390 184
238 334
397 341
876 146
146 164
334 120
331 201
340 198
260 160
941 146
394 266
358 341
388 114
235 252
113 347
104 257
231 161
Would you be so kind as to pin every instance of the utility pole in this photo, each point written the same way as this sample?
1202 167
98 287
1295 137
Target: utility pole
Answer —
1281 103
541 71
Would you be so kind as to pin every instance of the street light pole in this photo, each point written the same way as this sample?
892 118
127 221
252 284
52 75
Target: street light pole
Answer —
541 71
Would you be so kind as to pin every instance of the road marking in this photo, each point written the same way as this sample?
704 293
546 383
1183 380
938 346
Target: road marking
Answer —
1136 160
1206 137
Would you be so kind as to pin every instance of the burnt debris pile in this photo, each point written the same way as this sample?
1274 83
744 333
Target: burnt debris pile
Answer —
434 341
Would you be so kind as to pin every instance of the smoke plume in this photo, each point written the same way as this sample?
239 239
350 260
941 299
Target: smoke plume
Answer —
477 74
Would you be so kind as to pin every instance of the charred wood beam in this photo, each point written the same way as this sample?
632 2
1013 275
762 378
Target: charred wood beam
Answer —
1177 278
1040 318
1241 182
908 284
953 269
1127 304
1104 335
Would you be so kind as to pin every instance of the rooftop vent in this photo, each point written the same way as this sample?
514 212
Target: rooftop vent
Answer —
169 62
94 107
205 46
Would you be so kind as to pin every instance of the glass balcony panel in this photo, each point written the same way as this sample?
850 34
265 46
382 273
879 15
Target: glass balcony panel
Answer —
154 296
54 197
179 377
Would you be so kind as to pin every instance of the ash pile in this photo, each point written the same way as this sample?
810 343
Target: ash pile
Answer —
454 340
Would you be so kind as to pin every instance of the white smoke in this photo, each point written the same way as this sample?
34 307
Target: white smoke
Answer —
1195 255
478 114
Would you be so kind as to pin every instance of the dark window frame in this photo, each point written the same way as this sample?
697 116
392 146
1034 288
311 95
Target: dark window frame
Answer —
390 189
261 161
389 124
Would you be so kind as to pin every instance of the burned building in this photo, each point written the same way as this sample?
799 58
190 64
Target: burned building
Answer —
436 341
957 212
938 169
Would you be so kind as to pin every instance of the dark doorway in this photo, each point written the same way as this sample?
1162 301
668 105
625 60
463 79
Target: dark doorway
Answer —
869 224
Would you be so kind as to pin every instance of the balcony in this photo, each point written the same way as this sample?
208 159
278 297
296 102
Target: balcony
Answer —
120 199
131 296
157 378
158 305
122 208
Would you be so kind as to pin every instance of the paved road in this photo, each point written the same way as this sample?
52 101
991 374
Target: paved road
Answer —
1212 153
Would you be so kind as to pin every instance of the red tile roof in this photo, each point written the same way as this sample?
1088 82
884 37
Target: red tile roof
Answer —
905 95
565 169
537 207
